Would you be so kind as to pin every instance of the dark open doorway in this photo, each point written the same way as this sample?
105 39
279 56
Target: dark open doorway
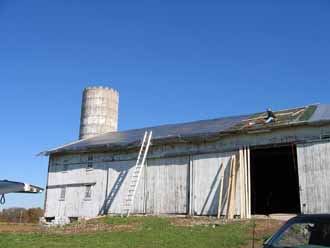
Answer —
274 180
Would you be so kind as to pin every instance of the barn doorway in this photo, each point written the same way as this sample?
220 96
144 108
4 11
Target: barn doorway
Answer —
274 180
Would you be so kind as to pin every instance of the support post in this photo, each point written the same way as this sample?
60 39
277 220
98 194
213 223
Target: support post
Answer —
249 182
191 186
220 189
233 192
242 184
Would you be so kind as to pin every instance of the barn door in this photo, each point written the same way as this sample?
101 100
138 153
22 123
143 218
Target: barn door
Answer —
314 174
167 184
206 174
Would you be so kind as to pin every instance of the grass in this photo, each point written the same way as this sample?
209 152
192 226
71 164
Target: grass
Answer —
147 232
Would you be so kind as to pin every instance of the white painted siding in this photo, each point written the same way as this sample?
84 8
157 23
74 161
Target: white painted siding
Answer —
76 173
314 177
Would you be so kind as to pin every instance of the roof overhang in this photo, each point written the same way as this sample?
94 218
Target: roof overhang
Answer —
200 131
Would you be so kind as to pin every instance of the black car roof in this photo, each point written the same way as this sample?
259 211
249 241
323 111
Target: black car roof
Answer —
312 217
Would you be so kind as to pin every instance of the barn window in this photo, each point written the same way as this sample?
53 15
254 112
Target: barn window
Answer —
65 165
62 194
90 162
88 192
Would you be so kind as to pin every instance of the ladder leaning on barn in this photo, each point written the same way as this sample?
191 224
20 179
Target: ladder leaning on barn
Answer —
136 174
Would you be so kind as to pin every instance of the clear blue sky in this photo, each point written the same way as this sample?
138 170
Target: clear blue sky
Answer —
171 61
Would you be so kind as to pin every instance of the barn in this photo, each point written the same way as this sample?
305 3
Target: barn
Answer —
254 164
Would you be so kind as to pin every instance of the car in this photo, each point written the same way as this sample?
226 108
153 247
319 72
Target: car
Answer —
302 231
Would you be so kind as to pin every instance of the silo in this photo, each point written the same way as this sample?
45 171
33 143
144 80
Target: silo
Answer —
99 111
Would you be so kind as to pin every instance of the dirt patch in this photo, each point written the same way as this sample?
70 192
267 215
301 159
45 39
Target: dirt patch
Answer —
91 226
264 227
263 230
19 228
193 221
200 220
86 227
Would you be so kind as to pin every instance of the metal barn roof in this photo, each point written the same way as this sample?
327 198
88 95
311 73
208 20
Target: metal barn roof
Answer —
202 130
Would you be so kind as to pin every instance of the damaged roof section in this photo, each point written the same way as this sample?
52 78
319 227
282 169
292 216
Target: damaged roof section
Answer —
197 130
281 118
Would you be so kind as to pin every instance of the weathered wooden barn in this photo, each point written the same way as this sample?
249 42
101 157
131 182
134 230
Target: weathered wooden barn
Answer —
282 165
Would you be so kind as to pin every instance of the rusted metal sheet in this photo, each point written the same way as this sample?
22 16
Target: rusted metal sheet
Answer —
314 174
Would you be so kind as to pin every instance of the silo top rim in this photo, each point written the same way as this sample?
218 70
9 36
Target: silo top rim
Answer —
100 88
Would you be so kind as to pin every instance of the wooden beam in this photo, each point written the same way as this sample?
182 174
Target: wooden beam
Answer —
242 184
229 189
232 195
191 186
220 189
249 182
246 190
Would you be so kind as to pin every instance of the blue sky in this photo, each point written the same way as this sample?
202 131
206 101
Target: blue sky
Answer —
171 61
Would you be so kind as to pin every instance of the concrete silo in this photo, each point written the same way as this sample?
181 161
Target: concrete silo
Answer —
99 111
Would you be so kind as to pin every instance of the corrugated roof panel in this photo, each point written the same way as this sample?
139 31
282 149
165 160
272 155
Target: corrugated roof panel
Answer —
321 113
159 132
133 137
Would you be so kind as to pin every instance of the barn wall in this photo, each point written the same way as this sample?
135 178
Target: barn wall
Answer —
167 186
162 188
71 172
314 174
121 171
189 169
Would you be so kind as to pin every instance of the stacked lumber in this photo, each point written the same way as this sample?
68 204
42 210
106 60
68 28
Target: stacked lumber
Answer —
239 170
245 185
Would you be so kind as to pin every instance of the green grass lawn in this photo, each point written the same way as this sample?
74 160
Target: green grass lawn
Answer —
147 232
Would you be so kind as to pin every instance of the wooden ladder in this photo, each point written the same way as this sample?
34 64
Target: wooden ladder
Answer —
137 171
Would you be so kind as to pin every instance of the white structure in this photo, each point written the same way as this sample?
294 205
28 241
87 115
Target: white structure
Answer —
99 111
283 168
